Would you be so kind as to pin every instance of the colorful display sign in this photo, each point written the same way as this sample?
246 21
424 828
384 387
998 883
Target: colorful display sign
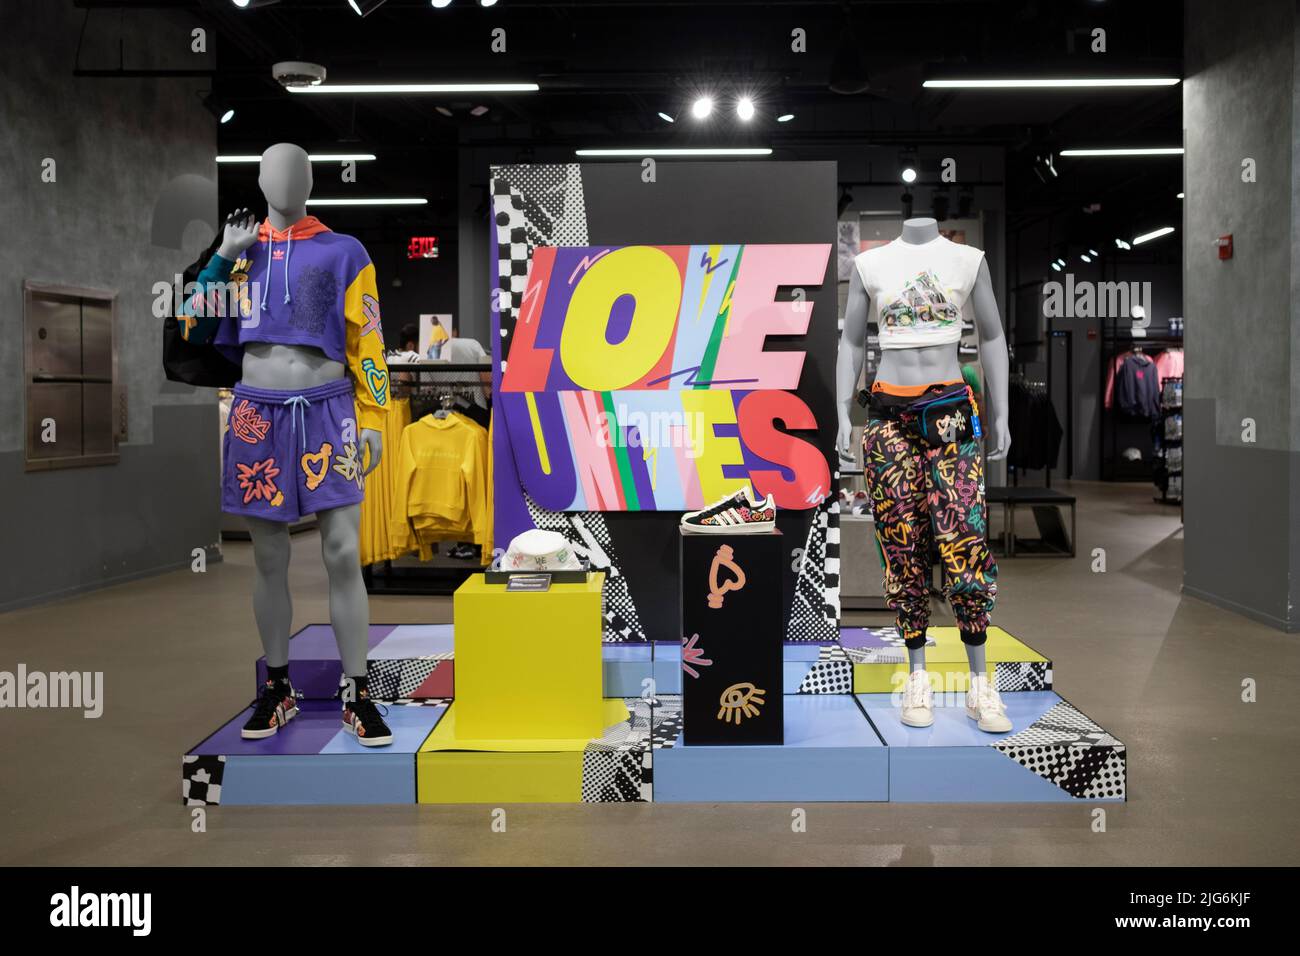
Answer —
660 378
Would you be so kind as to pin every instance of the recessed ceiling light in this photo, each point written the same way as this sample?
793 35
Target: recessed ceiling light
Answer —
314 157
745 109
1086 258
665 117
478 110
417 88
440 4
1046 83
909 174
1056 266
444 111
1151 151
371 201
1180 195
785 117
1154 234
677 151
702 107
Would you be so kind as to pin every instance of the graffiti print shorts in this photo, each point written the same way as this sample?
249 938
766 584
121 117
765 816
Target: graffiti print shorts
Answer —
289 454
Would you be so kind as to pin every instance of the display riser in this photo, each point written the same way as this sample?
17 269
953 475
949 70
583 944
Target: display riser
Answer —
879 660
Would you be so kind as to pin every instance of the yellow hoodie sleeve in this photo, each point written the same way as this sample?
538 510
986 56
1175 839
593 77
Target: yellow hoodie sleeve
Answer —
365 349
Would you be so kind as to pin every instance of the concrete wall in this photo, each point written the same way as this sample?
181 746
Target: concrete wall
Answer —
134 168
1242 498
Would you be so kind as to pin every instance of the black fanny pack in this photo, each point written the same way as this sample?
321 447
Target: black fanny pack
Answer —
938 417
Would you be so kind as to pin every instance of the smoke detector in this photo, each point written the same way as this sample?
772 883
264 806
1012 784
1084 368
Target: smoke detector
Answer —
298 73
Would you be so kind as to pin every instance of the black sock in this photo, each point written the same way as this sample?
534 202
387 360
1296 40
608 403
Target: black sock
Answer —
278 674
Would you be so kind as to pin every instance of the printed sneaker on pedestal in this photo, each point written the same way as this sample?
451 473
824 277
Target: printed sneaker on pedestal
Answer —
275 706
735 514
362 719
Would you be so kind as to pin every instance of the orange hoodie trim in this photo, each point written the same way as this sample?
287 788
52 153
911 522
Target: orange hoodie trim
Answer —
907 391
304 228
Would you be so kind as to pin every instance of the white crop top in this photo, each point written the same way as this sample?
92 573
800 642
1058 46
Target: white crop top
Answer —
917 290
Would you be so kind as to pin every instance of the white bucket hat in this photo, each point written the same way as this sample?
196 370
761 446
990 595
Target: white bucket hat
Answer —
538 550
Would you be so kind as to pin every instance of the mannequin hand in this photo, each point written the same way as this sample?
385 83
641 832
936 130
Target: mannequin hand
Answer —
239 234
373 442
1000 440
844 444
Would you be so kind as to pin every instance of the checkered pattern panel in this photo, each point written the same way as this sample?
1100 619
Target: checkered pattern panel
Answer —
617 767
201 776
1069 749
815 614
1023 675
831 674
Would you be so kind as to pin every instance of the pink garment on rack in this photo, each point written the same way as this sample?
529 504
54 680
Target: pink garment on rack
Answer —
1169 364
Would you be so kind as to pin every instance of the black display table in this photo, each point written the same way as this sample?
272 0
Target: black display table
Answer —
1046 505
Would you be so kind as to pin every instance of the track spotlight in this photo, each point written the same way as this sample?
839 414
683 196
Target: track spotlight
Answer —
745 109
363 8
487 3
702 107
908 175
219 107
441 4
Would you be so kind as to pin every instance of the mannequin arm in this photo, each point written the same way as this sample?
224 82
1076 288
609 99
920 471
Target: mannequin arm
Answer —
848 364
993 359
373 442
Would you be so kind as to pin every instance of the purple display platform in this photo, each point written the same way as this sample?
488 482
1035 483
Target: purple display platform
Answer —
406 661
312 760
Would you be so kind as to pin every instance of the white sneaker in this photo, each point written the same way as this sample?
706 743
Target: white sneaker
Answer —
918 700
737 513
984 705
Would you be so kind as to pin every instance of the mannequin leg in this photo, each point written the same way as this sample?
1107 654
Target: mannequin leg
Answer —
340 533
272 604
895 473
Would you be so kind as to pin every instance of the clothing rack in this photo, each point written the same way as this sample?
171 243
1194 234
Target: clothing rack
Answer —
432 386
1115 340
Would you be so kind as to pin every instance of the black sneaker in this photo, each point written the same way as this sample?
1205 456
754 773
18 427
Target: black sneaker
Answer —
275 706
362 718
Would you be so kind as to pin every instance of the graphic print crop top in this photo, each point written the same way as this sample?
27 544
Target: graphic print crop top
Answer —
917 290
304 285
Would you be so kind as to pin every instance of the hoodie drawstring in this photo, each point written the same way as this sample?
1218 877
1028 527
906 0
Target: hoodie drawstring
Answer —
266 275
298 406
287 254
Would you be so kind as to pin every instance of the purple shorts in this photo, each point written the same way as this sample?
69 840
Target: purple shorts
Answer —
289 454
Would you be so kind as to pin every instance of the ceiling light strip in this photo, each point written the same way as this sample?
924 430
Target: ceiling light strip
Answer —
314 157
370 201
417 88
1156 234
1048 83
677 151
1153 151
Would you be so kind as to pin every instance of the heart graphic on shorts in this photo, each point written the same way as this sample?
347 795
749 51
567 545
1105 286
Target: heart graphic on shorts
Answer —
320 460
376 380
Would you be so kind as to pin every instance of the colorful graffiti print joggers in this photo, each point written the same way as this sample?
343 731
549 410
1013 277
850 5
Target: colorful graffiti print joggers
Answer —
922 495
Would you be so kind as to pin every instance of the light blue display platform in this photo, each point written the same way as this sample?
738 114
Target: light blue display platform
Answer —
831 753
313 760
1054 753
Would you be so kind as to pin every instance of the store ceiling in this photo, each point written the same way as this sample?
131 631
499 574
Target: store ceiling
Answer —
607 67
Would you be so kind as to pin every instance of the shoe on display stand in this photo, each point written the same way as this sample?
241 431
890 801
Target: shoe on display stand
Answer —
739 513
275 706
918 700
984 705
362 719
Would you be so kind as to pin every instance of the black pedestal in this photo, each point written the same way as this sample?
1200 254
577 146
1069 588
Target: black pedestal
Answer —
732 628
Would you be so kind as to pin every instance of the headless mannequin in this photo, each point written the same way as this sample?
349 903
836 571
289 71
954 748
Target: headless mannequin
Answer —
922 366
286 182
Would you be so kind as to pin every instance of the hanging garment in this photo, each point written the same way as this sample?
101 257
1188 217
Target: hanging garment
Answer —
377 543
1133 384
922 494
917 290
1034 426
1169 364
442 485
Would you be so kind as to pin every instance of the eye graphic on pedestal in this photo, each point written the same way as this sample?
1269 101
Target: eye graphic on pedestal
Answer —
740 701
717 588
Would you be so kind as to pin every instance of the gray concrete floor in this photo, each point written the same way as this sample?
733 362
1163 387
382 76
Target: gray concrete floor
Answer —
1212 780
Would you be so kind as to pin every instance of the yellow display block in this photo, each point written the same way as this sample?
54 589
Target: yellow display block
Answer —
453 769
528 664
945 662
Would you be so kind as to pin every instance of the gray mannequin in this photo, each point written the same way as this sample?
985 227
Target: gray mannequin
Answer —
286 182
922 366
